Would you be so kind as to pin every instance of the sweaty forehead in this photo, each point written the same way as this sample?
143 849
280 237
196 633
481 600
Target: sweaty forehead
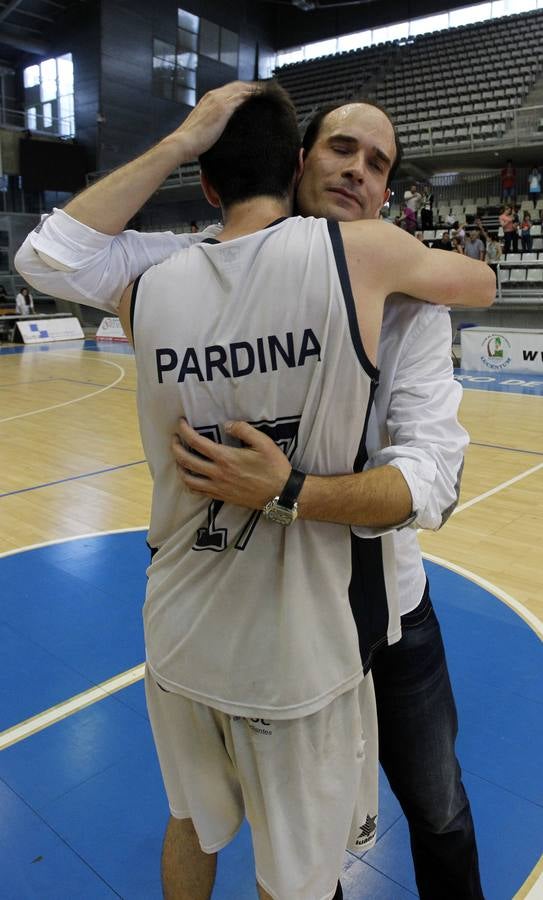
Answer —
360 121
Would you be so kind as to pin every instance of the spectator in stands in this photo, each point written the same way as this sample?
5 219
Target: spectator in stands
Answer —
24 303
194 227
473 245
509 227
509 181
451 219
515 212
534 185
409 219
483 234
427 208
456 246
3 296
444 242
493 252
413 200
526 231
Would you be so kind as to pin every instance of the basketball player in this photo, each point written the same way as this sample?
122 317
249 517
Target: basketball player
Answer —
413 427
345 201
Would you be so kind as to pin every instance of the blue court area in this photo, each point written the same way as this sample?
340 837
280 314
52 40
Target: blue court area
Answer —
83 809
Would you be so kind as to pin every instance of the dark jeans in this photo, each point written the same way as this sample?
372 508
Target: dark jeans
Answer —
509 240
417 733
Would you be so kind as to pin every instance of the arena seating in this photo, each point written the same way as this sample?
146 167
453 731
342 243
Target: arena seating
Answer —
466 73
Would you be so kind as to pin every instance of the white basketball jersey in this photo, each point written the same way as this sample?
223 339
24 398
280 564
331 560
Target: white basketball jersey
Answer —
241 613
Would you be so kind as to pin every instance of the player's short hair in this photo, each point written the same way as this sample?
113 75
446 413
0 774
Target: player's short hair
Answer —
314 127
257 153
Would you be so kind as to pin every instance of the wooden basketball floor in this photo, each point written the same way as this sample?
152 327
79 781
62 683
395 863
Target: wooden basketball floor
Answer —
82 807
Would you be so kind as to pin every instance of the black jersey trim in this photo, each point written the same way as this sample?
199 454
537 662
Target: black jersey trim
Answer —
343 272
277 221
133 307
362 453
211 240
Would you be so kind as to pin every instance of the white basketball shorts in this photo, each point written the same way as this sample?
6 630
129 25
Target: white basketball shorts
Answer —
307 786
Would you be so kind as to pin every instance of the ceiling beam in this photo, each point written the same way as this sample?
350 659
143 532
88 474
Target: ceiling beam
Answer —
9 9
39 47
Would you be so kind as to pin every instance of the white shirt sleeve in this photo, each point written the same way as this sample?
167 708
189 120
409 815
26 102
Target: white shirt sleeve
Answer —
67 259
419 409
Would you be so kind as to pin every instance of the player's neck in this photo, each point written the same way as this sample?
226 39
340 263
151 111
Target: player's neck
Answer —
253 215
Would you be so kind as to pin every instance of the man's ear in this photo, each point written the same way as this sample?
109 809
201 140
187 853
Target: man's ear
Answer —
210 193
386 197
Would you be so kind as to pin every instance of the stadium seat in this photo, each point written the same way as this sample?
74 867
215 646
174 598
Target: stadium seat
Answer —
535 275
517 275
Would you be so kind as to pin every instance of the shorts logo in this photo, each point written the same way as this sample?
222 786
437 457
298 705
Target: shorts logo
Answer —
496 352
259 726
367 831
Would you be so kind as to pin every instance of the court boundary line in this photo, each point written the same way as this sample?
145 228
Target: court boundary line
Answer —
73 537
532 889
496 490
38 487
501 447
16 733
526 614
107 387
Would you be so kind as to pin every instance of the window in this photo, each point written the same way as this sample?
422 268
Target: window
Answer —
470 14
47 113
429 23
229 48
31 76
286 57
218 43
31 118
391 33
175 65
320 48
49 96
354 41
187 21
209 39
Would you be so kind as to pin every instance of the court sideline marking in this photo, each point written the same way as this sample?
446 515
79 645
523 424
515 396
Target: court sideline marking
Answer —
107 387
62 710
495 490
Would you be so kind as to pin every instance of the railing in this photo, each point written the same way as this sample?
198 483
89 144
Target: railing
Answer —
189 173
16 119
495 128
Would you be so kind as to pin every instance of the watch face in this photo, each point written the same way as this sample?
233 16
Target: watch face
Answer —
280 514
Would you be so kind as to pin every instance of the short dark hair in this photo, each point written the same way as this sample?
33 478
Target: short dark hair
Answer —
314 127
257 153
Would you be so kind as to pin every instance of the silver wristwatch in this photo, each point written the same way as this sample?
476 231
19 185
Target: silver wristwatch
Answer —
283 509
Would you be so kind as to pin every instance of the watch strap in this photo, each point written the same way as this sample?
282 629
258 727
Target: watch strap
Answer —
291 490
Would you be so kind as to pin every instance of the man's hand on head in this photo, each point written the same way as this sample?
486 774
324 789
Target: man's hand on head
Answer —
207 121
247 476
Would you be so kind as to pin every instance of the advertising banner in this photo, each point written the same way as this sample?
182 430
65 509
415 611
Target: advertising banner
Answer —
45 330
110 330
502 350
